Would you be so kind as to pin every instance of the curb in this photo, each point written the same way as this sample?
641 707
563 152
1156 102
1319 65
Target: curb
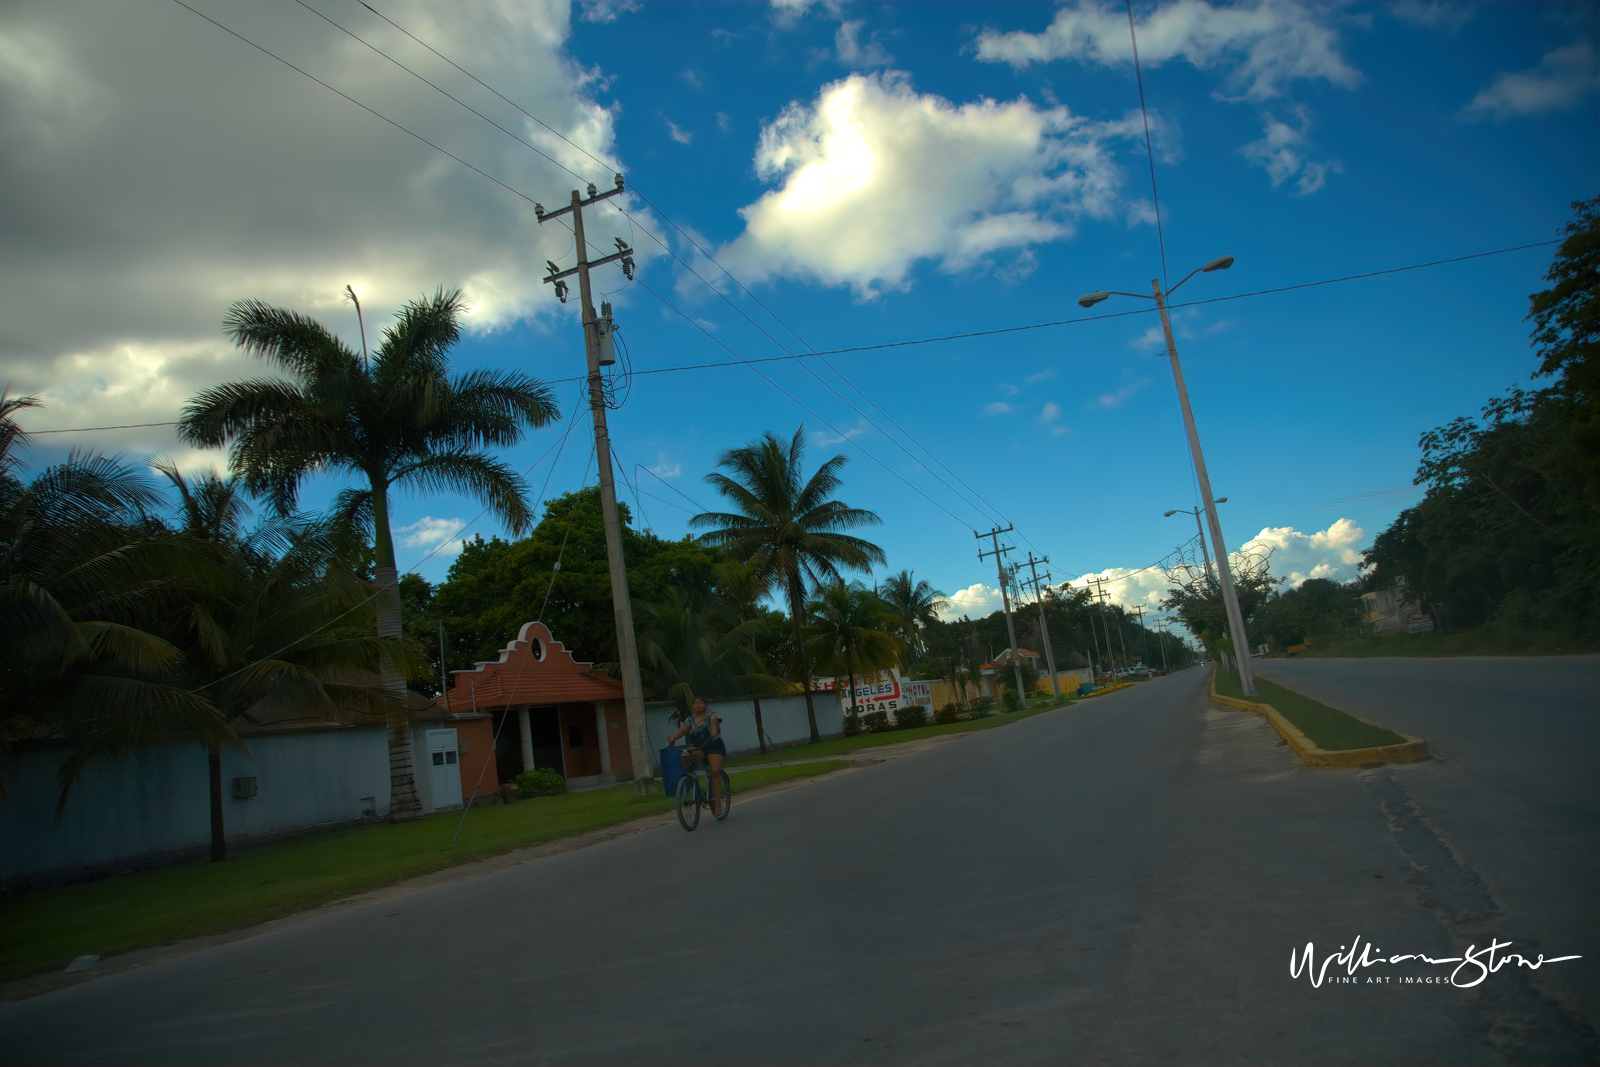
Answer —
1411 750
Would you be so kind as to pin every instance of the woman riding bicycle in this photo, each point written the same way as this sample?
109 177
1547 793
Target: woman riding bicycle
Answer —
704 732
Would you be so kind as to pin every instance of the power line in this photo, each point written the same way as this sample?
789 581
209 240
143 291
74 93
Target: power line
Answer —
743 361
1144 112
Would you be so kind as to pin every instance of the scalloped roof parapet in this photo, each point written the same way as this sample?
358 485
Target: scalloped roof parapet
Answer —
518 675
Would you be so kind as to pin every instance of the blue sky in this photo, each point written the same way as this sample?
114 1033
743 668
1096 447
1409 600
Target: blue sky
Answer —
872 173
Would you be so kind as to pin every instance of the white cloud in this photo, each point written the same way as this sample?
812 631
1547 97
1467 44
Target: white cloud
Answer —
724 121
1118 398
999 407
1331 553
1051 412
431 533
1039 376
852 52
876 176
609 10
665 468
977 600
822 438
1260 46
677 134
1562 78
1130 587
1435 14
1281 152
157 170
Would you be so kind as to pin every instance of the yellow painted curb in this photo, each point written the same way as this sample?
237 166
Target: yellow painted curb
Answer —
1411 750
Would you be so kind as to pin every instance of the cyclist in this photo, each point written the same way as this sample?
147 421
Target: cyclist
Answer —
704 733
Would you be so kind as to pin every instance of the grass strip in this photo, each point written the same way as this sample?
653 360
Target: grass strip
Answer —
1328 728
1486 641
45 929
843 745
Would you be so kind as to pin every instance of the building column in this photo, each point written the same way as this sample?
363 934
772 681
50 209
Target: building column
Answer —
605 738
527 738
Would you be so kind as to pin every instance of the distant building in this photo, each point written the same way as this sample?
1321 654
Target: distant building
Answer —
1394 609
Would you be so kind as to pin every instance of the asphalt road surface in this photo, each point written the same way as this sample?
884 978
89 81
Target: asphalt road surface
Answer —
1122 882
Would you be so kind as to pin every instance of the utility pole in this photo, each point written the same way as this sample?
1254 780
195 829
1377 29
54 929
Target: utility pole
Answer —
1161 639
1144 636
1105 623
597 346
444 675
1044 628
1005 597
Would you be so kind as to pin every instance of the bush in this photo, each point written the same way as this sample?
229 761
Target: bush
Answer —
1010 700
876 722
982 707
544 782
852 725
911 716
947 714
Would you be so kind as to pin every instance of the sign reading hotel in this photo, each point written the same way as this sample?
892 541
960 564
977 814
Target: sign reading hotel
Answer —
874 692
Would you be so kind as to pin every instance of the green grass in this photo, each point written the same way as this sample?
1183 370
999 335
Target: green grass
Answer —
45 929
1480 642
1327 727
842 745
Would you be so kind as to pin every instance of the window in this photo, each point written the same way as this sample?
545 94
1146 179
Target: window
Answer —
450 757
438 759
575 735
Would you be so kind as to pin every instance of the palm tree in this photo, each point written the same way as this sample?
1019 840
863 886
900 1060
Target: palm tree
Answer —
283 634
396 420
850 631
82 573
691 649
788 527
739 589
916 603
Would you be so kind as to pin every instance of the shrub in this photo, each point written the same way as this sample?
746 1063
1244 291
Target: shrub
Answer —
876 722
911 716
948 713
982 707
544 782
1010 700
852 725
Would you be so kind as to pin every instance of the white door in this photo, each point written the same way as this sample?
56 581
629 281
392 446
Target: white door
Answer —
445 769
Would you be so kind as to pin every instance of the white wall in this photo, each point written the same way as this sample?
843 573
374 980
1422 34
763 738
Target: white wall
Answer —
152 807
784 719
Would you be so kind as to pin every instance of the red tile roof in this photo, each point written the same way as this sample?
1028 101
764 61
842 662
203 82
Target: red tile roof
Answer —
523 676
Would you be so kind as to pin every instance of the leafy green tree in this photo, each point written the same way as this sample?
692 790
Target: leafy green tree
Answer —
788 526
395 421
850 631
1319 609
1509 529
495 586
1194 593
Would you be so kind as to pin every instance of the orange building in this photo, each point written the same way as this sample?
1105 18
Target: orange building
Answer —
547 710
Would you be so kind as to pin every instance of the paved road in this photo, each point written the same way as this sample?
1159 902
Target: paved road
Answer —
1121 881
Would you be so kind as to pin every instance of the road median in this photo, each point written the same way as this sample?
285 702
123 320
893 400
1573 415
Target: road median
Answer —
1320 735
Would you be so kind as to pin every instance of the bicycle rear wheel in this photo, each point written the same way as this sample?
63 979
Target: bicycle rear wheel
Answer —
727 798
688 802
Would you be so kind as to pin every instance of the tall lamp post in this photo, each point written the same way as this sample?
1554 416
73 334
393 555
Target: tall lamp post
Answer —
1241 639
1196 512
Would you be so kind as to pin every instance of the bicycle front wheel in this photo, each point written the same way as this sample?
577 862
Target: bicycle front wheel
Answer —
688 802
727 797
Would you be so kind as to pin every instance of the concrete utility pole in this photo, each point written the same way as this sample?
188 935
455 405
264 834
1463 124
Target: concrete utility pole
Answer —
1044 628
1230 599
444 675
1144 636
597 345
1105 623
1161 639
1005 598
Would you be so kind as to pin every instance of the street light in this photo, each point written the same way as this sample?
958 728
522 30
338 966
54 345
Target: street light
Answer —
1196 513
1230 600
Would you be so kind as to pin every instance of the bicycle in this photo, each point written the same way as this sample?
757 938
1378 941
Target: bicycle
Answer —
694 793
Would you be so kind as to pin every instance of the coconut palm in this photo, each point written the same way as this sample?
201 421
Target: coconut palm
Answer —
82 571
916 603
850 631
788 527
395 421
282 634
691 649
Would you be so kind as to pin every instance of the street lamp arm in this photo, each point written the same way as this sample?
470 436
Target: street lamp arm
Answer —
1220 263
